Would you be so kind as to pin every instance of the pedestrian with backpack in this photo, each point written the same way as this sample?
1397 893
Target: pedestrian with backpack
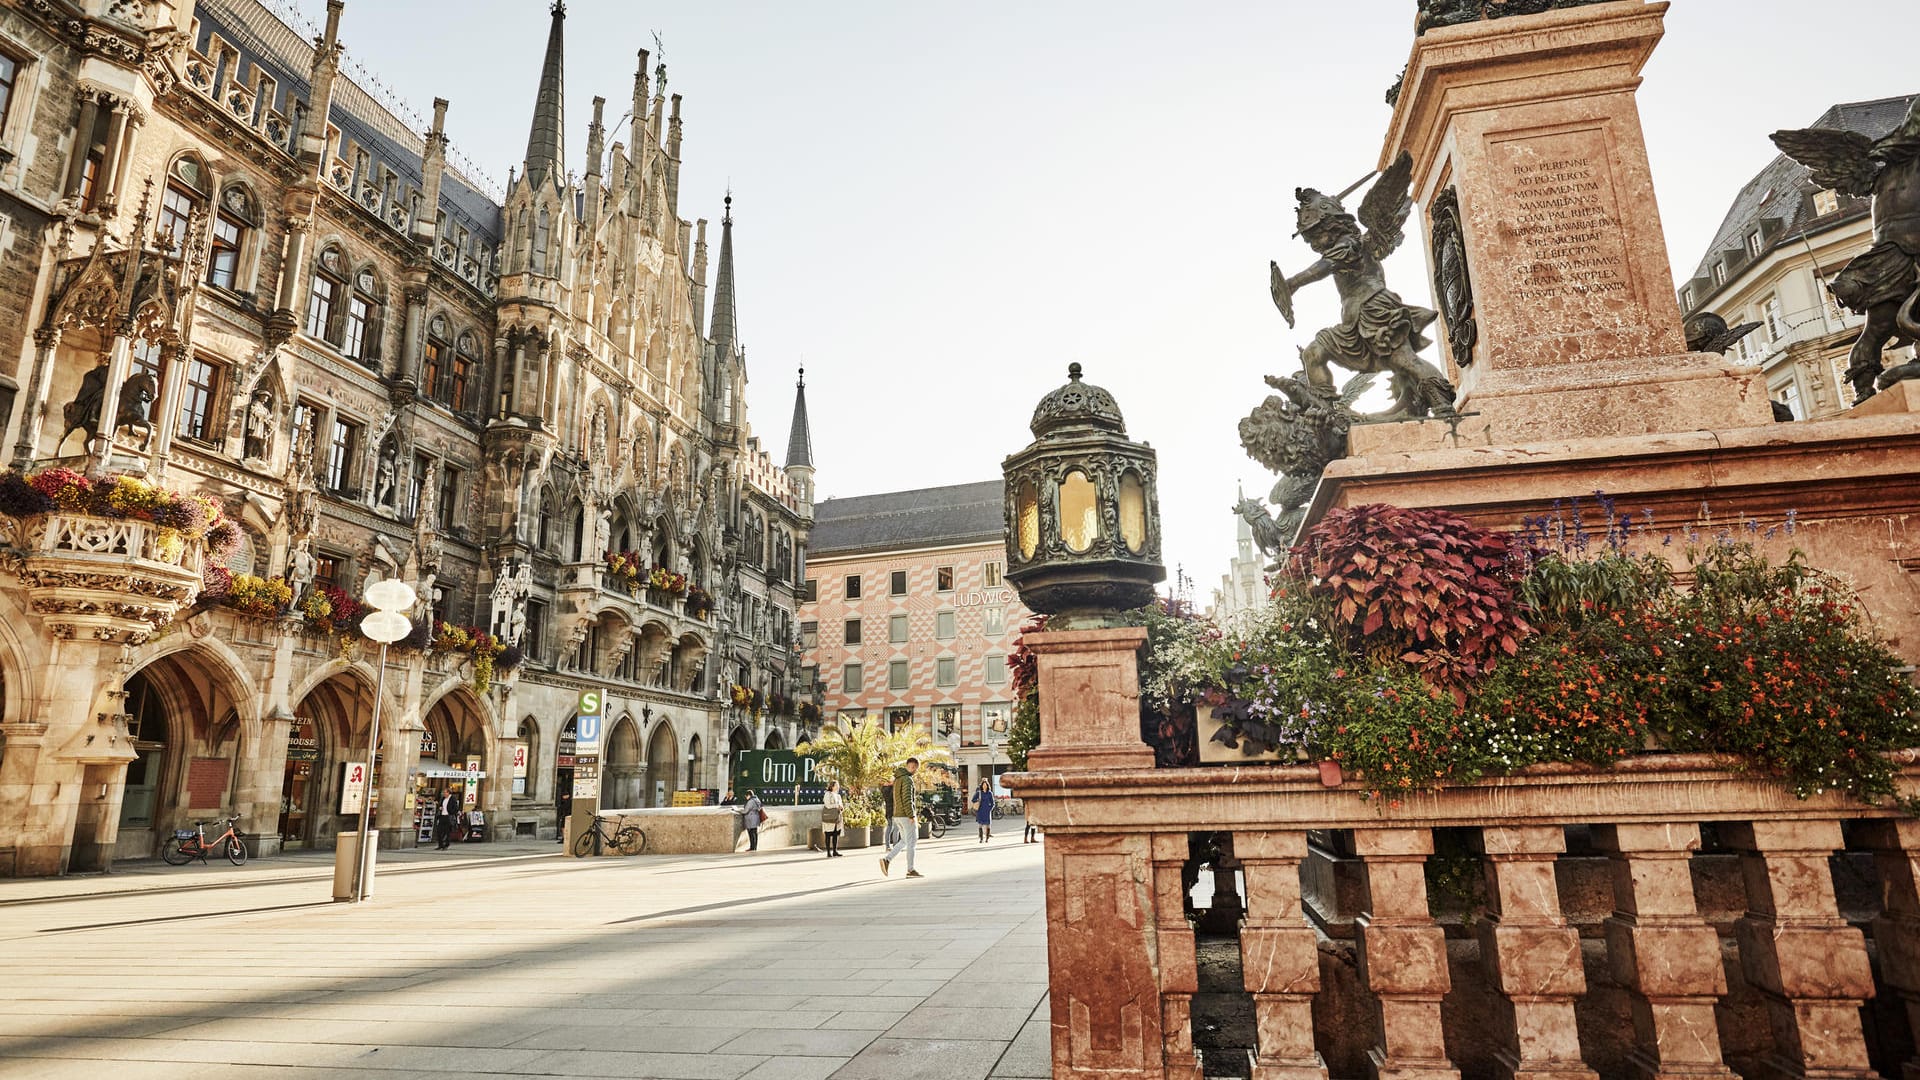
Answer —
902 818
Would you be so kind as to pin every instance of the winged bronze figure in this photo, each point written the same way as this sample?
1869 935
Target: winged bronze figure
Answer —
1378 332
1882 283
1296 433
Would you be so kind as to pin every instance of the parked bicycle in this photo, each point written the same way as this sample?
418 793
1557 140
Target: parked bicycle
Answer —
625 839
1007 806
187 845
936 822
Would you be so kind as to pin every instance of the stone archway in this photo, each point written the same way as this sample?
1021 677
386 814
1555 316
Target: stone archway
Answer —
456 752
190 743
620 788
338 711
663 766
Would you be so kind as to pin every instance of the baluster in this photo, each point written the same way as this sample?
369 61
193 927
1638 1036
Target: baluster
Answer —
1533 955
1279 956
1794 946
1663 951
1179 964
1403 955
1896 933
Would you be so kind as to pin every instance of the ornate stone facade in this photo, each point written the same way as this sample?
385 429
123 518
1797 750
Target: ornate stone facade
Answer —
290 299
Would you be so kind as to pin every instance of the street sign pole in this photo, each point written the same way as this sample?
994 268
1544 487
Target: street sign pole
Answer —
587 732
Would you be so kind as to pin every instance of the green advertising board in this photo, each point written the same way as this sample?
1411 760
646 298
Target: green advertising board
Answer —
775 774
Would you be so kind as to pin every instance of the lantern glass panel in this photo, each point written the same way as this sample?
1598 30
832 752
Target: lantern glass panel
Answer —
1079 512
1027 506
1133 512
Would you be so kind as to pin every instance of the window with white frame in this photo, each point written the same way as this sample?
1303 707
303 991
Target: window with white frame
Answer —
1788 394
996 669
897 629
897 675
946 671
944 626
850 679
1825 202
993 621
990 574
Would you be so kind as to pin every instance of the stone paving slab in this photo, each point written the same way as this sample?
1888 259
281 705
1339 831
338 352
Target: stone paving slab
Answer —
522 963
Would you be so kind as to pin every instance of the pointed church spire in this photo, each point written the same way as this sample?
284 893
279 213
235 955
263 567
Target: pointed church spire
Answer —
545 156
724 334
800 439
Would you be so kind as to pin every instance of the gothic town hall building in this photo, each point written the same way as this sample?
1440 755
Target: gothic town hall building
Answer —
230 270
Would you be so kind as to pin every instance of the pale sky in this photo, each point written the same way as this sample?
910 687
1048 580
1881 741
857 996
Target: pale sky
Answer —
939 205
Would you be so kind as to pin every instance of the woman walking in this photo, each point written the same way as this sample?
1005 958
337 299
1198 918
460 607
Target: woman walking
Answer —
752 819
983 810
832 808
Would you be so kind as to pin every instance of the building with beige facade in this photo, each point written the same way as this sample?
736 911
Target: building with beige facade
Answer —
1783 239
907 620
288 297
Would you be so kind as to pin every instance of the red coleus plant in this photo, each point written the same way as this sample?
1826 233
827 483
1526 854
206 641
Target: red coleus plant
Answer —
1423 586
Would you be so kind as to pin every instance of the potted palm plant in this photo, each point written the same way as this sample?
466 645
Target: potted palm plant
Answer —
863 756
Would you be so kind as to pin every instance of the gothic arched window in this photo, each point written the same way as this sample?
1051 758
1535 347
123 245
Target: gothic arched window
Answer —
233 231
433 363
360 337
187 191
542 235
325 295
461 389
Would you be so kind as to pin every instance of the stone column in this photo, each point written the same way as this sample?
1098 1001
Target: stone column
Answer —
1533 955
1279 956
1101 957
1179 962
119 362
1090 682
257 791
114 166
498 800
1661 950
83 144
33 417
1896 933
1806 960
1403 956
165 414
414 338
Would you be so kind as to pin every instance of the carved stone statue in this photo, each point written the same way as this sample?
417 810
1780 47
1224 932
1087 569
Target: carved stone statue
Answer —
300 567
1378 332
83 412
1296 435
603 532
384 471
1883 283
261 424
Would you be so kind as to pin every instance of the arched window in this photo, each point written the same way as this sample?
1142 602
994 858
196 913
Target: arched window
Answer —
324 298
544 537
360 335
233 230
461 388
530 738
187 192
433 365
542 234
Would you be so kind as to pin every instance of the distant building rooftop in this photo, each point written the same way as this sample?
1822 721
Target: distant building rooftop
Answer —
903 520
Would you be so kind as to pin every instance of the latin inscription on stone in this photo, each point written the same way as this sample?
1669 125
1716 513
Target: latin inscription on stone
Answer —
1567 263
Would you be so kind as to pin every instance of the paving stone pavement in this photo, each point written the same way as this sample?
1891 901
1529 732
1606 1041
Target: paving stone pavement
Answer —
781 965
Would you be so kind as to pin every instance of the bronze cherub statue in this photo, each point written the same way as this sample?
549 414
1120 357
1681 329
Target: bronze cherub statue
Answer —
1377 331
1883 283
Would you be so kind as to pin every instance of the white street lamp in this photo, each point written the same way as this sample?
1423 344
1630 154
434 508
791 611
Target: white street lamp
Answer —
385 625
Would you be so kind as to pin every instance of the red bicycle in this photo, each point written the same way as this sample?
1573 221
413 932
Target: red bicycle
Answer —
187 845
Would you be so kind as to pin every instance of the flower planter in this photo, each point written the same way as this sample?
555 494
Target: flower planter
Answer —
853 836
877 835
1330 774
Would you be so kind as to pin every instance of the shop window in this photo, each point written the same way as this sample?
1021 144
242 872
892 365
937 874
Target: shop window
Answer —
197 404
946 720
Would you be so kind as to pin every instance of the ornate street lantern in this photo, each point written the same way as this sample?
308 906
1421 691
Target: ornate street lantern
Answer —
1083 511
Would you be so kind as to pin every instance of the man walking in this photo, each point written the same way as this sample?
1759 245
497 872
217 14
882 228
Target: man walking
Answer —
443 819
903 818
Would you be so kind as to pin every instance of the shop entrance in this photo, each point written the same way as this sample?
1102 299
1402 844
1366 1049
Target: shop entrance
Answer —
663 765
148 730
296 785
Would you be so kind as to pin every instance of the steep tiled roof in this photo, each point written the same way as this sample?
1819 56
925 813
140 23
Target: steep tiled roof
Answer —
929 517
1779 199
265 41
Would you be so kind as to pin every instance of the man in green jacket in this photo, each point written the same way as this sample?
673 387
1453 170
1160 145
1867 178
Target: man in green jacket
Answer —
902 818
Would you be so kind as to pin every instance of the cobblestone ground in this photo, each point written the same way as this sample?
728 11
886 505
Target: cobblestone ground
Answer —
514 961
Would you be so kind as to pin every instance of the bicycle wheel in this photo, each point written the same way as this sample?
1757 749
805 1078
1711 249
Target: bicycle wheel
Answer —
999 811
583 844
236 852
176 853
631 840
937 828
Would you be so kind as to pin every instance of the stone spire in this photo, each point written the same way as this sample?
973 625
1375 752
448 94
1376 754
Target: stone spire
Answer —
326 66
800 438
545 156
724 334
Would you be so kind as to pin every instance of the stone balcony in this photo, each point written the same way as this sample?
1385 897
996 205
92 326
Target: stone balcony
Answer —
107 579
1667 916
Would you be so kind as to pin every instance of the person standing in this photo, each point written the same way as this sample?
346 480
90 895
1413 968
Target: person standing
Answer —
903 819
832 807
983 810
443 819
753 817
563 809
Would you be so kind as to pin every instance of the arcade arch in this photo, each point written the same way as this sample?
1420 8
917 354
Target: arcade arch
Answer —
663 765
